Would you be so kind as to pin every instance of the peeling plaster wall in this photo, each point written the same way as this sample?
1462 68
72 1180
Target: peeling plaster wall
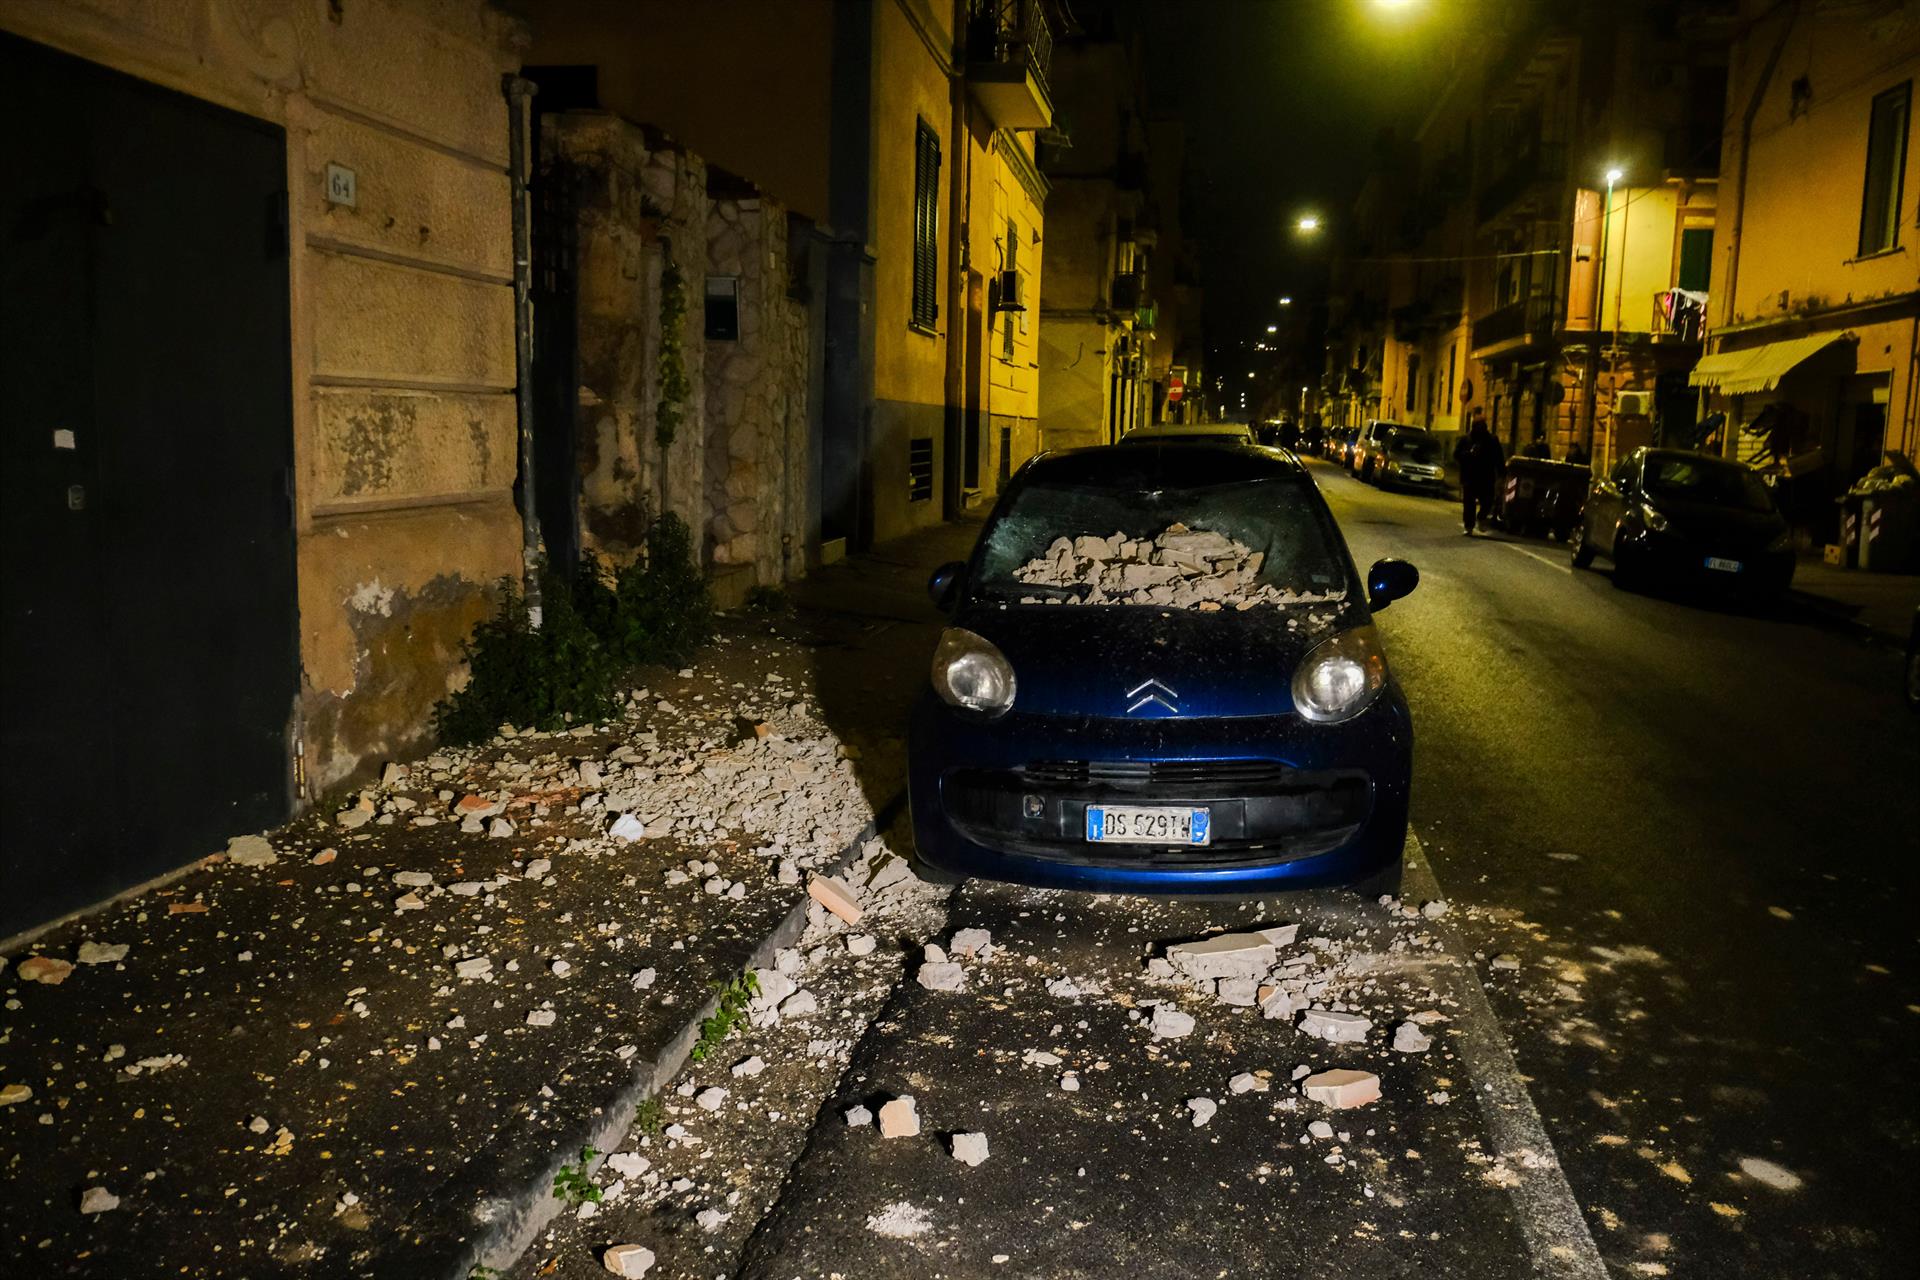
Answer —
756 390
402 319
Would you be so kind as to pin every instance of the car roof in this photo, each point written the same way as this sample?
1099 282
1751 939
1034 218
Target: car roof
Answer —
1174 465
1189 431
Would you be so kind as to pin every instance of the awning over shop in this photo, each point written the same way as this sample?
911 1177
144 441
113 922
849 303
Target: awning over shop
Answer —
1738 373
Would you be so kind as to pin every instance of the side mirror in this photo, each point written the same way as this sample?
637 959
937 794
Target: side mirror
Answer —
944 585
1388 580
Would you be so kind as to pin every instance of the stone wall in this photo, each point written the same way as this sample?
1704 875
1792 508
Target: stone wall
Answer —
638 203
756 390
736 470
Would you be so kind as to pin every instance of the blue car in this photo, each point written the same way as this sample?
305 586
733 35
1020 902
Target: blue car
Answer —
1161 676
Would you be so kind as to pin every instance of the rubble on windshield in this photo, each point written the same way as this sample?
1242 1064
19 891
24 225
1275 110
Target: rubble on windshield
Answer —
1180 568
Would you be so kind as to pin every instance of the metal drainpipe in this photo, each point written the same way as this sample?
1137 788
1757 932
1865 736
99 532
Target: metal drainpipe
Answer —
1729 438
520 91
959 180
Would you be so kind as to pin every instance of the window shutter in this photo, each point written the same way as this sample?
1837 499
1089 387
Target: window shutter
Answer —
926 225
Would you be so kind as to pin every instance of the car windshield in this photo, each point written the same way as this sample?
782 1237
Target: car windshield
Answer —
1702 480
1224 546
1420 448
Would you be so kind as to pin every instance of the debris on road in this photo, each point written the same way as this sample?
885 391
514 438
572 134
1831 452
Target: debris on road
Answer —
970 1149
900 1118
1342 1088
49 970
1334 1026
98 1200
630 1261
1769 1174
832 893
1202 1109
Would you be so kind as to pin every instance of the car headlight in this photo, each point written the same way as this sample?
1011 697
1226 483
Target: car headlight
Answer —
1340 676
1653 519
970 673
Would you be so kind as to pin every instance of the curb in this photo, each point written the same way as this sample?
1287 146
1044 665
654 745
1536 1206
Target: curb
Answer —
1831 612
517 1216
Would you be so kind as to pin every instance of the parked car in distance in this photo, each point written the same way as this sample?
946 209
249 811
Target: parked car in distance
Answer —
1190 432
1690 519
1313 439
1370 450
1411 460
1340 443
1160 675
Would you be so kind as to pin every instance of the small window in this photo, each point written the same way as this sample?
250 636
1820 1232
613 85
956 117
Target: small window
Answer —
926 226
723 308
1696 258
1886 159
920 469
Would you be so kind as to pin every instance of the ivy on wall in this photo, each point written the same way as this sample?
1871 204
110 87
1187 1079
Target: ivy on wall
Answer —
674 387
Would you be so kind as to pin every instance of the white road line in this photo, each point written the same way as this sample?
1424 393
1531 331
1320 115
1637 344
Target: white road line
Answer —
1535 555
1557 1234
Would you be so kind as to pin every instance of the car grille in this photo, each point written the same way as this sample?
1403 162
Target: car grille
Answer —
1210 775
1264 811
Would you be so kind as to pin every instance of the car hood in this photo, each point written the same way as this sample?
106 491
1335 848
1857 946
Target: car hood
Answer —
1145 663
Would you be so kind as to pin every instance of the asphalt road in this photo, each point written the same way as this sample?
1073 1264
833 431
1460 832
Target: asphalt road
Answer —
1695 829
1705 824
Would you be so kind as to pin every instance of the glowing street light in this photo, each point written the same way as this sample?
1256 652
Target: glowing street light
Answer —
1615 174
1307 224
1286 302
1273 328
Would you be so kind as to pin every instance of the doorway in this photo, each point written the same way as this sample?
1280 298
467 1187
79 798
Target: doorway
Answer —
149 657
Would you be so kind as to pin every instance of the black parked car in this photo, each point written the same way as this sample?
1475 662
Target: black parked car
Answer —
1686 518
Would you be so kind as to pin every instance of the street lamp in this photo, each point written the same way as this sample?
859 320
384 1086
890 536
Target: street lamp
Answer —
1307 224
1273 328
1286 302
1613 175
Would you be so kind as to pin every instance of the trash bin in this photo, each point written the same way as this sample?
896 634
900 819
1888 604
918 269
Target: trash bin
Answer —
1540 496
1883 509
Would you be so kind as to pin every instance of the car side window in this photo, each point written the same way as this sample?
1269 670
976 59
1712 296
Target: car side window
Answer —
1623 476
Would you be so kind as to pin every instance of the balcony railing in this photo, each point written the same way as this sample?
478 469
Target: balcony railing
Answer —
1517 322
1679 315
1540 163
1009 51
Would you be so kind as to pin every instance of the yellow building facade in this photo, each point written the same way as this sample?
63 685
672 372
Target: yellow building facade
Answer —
1815 317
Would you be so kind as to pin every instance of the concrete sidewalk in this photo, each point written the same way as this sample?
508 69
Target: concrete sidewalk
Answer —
1879 603
364 1044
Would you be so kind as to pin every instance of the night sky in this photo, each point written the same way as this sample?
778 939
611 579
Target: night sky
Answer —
1283 100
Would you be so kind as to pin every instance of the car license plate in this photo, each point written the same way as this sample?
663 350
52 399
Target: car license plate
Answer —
1114 824
1724 566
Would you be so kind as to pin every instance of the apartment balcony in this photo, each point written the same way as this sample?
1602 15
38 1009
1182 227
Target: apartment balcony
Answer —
1128 291
1009 47
1533 176
1679 317
1514 328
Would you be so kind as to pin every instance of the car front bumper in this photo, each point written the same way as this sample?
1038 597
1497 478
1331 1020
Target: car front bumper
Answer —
1293 805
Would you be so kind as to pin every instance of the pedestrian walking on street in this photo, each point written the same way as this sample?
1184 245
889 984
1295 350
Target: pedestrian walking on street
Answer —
1481 461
